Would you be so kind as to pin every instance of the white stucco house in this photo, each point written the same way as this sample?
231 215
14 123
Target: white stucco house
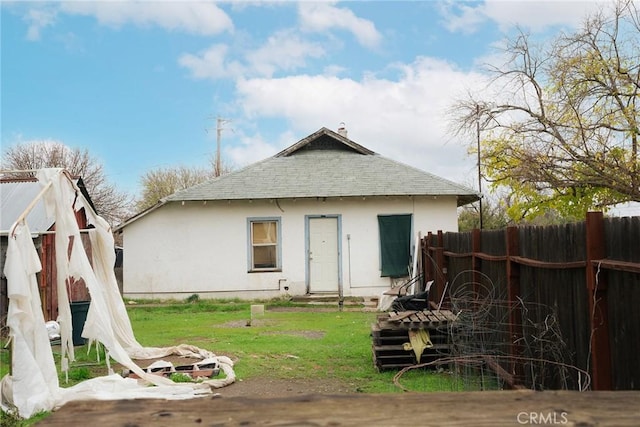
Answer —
325 215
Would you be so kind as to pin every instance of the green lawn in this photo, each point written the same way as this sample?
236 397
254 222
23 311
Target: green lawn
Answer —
287 342
300 344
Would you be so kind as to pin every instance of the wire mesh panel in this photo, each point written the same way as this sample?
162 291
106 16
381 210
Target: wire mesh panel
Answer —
487 351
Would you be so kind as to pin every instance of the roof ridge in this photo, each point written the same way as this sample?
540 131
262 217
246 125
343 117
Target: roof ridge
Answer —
11 179
322 132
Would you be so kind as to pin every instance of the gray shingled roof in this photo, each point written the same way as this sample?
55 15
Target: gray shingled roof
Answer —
324 164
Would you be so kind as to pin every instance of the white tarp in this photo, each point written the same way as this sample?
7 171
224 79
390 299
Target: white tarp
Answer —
33 384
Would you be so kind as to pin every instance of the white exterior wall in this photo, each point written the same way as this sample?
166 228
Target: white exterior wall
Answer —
197 248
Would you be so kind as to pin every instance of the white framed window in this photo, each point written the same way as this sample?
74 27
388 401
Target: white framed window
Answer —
264 237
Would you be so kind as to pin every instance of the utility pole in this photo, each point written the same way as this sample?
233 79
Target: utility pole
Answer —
479 164
219 123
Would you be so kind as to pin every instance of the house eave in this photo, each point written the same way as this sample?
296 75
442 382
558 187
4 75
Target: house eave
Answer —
139 215
462 199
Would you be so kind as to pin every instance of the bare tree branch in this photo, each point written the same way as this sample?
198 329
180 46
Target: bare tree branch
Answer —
162 182
110 203
566 120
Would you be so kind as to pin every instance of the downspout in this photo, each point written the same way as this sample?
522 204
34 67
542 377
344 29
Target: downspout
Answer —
340 287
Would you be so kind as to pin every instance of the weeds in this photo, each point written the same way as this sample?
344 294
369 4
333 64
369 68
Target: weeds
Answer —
10 418
178 377
284 344
79 374
193 298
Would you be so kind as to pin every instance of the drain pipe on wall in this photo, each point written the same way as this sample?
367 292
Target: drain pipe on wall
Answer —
340 287
280 281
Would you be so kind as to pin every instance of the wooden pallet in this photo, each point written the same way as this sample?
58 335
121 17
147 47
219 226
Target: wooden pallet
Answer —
208 370
391 332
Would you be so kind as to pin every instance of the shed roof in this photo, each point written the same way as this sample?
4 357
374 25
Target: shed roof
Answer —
325 164
17 193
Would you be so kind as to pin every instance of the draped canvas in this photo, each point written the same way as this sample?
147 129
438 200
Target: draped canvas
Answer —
33 385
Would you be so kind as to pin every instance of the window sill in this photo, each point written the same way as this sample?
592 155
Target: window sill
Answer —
266 270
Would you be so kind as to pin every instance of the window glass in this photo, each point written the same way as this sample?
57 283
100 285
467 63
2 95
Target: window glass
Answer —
264 244
264 257
265 232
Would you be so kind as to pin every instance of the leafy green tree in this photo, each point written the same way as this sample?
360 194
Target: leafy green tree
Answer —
494 215
561 132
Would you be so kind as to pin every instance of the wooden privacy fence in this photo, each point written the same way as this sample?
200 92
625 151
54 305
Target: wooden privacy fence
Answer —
588 273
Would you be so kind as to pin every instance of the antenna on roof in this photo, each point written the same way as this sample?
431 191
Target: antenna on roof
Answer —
342 129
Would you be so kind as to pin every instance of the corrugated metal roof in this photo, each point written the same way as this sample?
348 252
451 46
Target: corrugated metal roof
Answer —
17 193
16 196
325 166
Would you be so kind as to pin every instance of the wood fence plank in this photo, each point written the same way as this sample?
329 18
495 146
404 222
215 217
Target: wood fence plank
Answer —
551 264
489 408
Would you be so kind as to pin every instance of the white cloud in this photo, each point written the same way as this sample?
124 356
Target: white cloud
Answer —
404 119
284 50
334 70
211 63
193 17
39 18
461 17
253 148
541 14
321 17
535 15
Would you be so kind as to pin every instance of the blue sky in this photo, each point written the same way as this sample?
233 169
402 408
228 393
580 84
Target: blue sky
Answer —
140 83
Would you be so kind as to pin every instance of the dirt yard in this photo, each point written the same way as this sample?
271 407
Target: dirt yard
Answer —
265 387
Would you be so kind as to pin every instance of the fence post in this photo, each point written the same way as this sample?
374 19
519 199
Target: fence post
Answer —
440 266
429 270
513 292
598 305
476 262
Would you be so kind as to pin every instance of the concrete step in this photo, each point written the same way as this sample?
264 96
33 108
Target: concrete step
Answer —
333 299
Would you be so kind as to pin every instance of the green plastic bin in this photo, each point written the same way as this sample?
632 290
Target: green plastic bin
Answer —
79 311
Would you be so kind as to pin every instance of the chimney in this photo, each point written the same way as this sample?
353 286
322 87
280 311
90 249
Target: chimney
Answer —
342 130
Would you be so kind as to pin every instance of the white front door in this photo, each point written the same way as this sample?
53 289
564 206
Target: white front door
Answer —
323 254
